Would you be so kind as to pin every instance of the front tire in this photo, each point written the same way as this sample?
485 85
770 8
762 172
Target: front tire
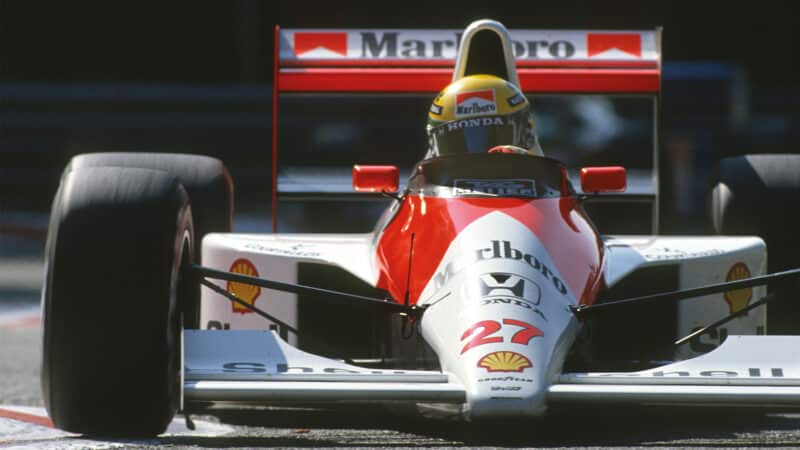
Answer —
210 190
118 254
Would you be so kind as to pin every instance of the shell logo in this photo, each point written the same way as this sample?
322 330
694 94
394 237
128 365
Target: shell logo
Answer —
740 298
246 292
504 361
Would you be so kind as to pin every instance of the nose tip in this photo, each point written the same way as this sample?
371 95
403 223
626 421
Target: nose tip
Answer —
507 407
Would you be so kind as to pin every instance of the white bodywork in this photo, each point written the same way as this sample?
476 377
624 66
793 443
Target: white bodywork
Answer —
533 328
458 316
276 257
702 261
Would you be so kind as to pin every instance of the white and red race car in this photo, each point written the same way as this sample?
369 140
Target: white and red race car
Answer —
484 286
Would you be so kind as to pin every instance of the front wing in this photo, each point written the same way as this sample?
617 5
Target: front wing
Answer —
760 371
247 366
257 367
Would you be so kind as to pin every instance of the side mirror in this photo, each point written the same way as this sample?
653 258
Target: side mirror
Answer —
603 179
376 179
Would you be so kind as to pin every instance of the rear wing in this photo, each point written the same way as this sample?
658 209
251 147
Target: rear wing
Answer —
425 61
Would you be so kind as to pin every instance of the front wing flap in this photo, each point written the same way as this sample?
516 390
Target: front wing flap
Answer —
758 371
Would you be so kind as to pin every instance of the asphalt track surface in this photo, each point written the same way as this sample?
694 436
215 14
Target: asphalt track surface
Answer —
24 425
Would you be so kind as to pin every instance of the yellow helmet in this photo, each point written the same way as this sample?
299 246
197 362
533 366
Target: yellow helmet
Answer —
479 112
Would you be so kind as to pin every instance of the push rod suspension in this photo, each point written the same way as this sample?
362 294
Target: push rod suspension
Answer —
586 310
323 294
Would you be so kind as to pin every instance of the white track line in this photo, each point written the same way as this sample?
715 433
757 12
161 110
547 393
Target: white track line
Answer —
25 427
28 317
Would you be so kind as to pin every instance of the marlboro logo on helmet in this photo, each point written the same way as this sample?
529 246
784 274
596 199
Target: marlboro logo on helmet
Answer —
475 103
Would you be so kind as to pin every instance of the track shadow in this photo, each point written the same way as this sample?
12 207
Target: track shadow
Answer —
587 427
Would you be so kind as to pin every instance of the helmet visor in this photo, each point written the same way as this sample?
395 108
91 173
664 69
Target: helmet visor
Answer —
479 134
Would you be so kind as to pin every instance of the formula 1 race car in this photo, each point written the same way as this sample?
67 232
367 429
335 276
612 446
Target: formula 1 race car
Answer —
485 285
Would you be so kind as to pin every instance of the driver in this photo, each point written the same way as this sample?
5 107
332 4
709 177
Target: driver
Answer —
481 113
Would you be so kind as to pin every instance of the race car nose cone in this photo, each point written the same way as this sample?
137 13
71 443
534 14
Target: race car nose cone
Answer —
505 355
499 318
508 383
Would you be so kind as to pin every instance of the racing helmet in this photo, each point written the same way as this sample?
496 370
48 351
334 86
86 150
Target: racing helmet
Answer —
476 114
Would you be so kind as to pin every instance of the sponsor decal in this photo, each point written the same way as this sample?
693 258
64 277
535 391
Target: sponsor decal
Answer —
504 361
751 372
296 250
599 43
320 43
515 100
740 298
516 188
469 123
665 253
559 49
509 378
436 109
503 250
475 103
500 288
281 368
505 388
444 44
502 284
482 333
246 292
513 301
390 45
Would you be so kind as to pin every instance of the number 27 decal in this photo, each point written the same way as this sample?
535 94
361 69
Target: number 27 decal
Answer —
481 333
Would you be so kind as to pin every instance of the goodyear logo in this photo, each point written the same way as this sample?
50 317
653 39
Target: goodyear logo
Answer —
740 298
504 361
246 292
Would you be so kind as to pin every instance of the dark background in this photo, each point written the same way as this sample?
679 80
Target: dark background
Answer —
196 77
231 41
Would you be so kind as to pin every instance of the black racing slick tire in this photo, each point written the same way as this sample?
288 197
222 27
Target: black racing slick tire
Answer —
206 180
759 195
118 256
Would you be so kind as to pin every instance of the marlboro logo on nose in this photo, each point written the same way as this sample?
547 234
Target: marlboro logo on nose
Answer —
600 43
318 44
